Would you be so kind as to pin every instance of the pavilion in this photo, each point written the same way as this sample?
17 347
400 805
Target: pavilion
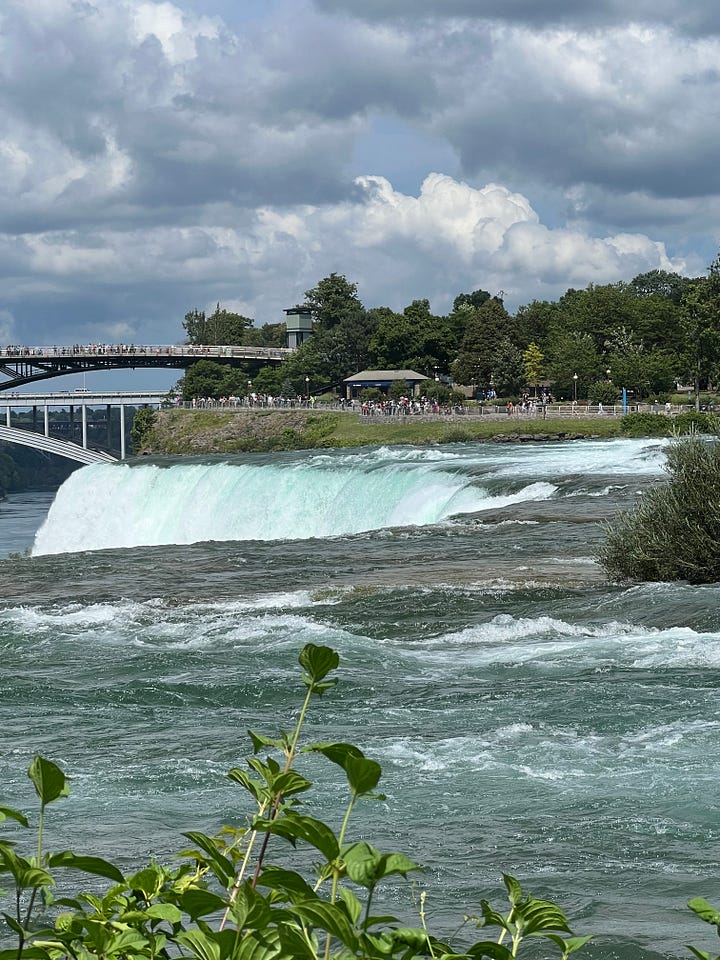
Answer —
383 380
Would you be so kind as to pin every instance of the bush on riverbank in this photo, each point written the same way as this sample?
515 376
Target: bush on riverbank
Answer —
674 531
660 425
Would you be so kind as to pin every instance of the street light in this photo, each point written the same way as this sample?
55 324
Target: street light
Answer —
575 380
608 372
307 388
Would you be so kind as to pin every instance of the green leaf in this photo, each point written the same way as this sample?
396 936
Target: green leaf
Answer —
700 954
567 946
28 876
201 944
290 783
295 826
93 865
513 888
253 787
225 868
261 945
490 917
362 774
164 911
336 752
259 741
317 662
200 903
706 911
488 948
294 944
250 908
329 917
48 779
287 881
147 881
8 813
361 862
540 915
352 904
395 863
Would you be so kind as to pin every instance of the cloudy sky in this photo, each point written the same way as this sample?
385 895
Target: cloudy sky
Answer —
161 156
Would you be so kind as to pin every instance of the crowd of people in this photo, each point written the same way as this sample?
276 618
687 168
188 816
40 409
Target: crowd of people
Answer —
406 407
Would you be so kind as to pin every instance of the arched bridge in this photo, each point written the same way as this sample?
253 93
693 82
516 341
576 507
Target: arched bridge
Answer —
33 424
62 448
21 365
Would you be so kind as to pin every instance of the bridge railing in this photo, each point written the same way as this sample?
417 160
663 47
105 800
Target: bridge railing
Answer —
90 351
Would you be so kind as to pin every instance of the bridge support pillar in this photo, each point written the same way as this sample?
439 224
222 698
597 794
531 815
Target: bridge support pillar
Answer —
46 419
34 409
122 431
7 416
107 419
84 425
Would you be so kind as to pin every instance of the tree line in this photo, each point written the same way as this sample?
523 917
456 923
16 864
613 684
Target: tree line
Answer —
645 335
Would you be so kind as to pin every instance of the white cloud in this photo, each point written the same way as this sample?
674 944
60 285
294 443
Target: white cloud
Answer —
450 238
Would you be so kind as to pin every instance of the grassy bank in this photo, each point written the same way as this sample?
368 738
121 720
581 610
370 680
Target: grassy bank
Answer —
222 431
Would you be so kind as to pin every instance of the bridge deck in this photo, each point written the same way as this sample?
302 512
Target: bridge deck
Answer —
21 365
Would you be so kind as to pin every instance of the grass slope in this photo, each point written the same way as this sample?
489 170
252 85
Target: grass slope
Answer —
222 431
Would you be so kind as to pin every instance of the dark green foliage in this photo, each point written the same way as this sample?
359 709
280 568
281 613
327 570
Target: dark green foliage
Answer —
674 531
143 423
646 425
206 378
22 468
602 391
221 327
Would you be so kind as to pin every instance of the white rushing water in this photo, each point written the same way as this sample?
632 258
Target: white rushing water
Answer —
313 495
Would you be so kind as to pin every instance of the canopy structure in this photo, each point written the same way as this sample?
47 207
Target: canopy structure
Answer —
382 379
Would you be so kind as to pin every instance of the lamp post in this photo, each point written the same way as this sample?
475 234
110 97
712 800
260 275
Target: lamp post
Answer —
575 380
307 388
249 392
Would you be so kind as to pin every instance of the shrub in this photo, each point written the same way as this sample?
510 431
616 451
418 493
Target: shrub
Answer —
646 425
143 424
673 533
602 391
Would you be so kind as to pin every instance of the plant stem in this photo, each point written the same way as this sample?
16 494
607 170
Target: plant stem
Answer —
273 813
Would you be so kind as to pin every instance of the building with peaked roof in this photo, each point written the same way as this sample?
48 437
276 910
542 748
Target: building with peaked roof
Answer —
383 380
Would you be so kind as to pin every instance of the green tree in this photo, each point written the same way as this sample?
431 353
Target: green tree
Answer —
532 324
627 361
533 362
572 353
508 369
658 283
701 314
486 327
205 378
220 328
334 301
268 335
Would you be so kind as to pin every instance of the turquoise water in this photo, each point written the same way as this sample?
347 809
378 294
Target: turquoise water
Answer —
529 717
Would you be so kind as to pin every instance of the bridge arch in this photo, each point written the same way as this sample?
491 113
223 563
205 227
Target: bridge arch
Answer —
62 448
21 365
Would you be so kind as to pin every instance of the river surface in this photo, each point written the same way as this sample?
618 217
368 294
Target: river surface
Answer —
530 718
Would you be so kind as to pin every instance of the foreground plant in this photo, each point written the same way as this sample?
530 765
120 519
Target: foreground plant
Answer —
228 900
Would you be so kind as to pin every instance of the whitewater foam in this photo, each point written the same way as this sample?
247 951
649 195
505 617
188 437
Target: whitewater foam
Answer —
105 506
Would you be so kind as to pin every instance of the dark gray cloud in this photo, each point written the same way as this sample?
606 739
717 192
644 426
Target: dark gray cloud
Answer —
688 17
